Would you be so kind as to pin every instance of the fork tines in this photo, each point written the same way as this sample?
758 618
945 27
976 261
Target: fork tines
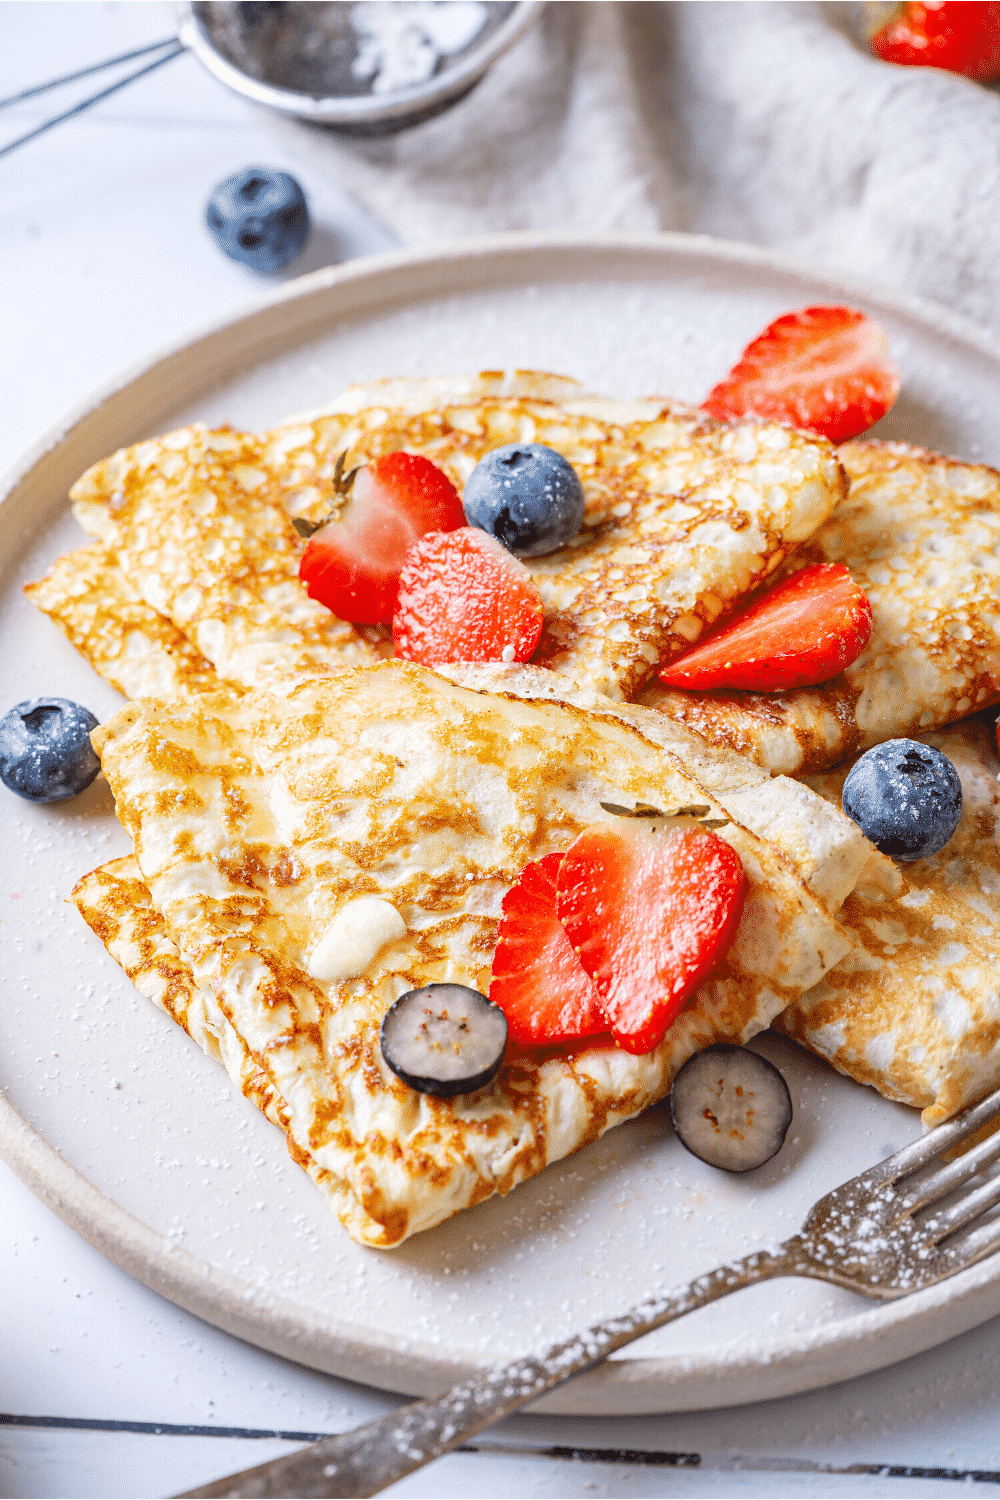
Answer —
942 1139
938 1225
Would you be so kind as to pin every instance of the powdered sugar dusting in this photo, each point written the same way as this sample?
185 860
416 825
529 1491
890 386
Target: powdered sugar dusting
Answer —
400 43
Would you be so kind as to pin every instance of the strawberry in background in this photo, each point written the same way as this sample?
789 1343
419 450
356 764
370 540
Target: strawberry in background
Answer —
961 36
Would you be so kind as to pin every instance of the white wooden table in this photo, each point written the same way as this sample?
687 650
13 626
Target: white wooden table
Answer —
107 1389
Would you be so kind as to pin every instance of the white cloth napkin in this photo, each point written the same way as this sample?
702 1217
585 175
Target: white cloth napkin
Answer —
764 122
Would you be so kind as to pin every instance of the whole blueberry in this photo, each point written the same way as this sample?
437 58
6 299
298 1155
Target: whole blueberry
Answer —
259 216
905 797
527 496
45 749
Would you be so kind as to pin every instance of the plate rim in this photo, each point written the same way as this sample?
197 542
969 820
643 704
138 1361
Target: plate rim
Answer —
831 1352
388 263
827 1355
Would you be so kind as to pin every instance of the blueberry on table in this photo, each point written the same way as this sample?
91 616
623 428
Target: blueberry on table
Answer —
45 749
905 797
259 217
527 496
730 1107
444 1039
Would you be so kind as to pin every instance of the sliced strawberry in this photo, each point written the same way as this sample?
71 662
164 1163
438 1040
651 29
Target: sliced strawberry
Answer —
961 36
352 564
538 981
825 369
801 632
463 597
651 908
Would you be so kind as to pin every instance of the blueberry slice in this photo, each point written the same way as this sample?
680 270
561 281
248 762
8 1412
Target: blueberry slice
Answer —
905 797
527 496
45 749
259 217
444 1039
730 1107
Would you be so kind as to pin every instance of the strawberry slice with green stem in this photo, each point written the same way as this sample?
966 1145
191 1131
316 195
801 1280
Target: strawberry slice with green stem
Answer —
651 905
538 981
464 597
802 632
352 562
823 369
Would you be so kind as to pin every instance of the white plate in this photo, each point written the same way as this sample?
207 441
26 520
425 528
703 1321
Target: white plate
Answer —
117 1120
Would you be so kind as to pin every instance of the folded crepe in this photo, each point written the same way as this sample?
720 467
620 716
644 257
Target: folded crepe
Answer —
127 642
914 1010
921 535
256 819
193 523
685 516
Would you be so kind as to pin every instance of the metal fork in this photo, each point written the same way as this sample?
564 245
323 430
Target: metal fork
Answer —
896 1229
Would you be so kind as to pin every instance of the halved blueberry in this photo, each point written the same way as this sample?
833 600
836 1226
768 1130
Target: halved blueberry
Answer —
444 1039
45 749
527 496
906 797
730 1107
259 217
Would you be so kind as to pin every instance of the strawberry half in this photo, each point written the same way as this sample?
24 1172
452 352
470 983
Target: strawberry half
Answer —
824 369
961 36
538 981
352 564
463 597
801 632
651 908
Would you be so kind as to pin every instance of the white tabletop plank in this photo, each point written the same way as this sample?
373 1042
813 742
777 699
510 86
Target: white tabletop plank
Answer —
106 260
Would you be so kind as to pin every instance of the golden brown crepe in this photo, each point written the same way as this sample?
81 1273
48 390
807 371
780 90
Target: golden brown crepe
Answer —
127 642
194 524
921 535
685 516
914 1011
257 820
258 816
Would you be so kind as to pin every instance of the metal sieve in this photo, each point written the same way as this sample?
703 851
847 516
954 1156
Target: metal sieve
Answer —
301 59
329 63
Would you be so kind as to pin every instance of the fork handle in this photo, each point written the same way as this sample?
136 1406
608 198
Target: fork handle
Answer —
368 1459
